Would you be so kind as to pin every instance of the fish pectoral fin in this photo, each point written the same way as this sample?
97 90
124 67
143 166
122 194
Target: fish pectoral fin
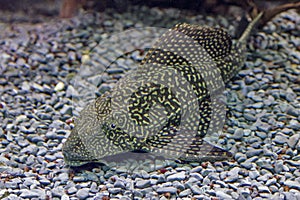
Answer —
204 151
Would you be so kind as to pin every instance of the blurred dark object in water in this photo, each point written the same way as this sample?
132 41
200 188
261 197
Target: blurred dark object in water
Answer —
45 7
253 7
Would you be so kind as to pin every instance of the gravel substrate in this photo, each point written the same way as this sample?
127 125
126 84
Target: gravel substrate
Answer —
38 64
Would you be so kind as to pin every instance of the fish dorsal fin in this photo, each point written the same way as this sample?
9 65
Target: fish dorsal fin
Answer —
216 41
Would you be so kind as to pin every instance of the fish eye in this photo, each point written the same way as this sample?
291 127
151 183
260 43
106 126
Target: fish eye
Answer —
113 126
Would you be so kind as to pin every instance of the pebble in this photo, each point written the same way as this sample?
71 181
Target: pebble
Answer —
197 190
185 193
292 184
176 177
171 190
82 193
253 152
59 87
280 139
223 195
143 183
238 134
58 191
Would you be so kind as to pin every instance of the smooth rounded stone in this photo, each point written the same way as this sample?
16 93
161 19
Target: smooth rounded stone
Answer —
50 158
58 191
119 184
82 193
33 193
63 177
287 131
72 190
198 176
240 157
264 127
30 160
42 151
262 135
94 187
250 117
144 174
79 179
238 134
205 172
232 178
271 181
171 190
59 86
206 180
26 130
278 166
223 195
143 184
176 177
294 124
197 190
196 169
254 174
37 87
185 193
263 188
66 110
280 139
31 149
178 185
292 184
293 163
253 152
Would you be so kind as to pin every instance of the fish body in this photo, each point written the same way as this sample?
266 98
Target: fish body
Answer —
168 105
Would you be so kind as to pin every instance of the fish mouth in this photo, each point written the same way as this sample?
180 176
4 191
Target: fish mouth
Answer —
74 151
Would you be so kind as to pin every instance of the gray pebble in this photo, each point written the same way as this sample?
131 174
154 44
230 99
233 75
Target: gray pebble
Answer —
71 190
254 174
198 176
79 179
292 184
58 191
143 183
271 181
232 178
63 177
278 167
171 190
280 139
176 177
44 181
238 134
262 135
190 182
250 117
33 193
264 127
185 193
223 195
82 193
196 169
119 184
178 185
197 190
253 152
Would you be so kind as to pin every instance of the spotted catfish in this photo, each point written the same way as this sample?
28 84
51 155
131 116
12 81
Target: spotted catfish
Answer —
168 105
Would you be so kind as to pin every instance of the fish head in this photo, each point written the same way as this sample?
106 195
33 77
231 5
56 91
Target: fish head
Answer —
91 139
